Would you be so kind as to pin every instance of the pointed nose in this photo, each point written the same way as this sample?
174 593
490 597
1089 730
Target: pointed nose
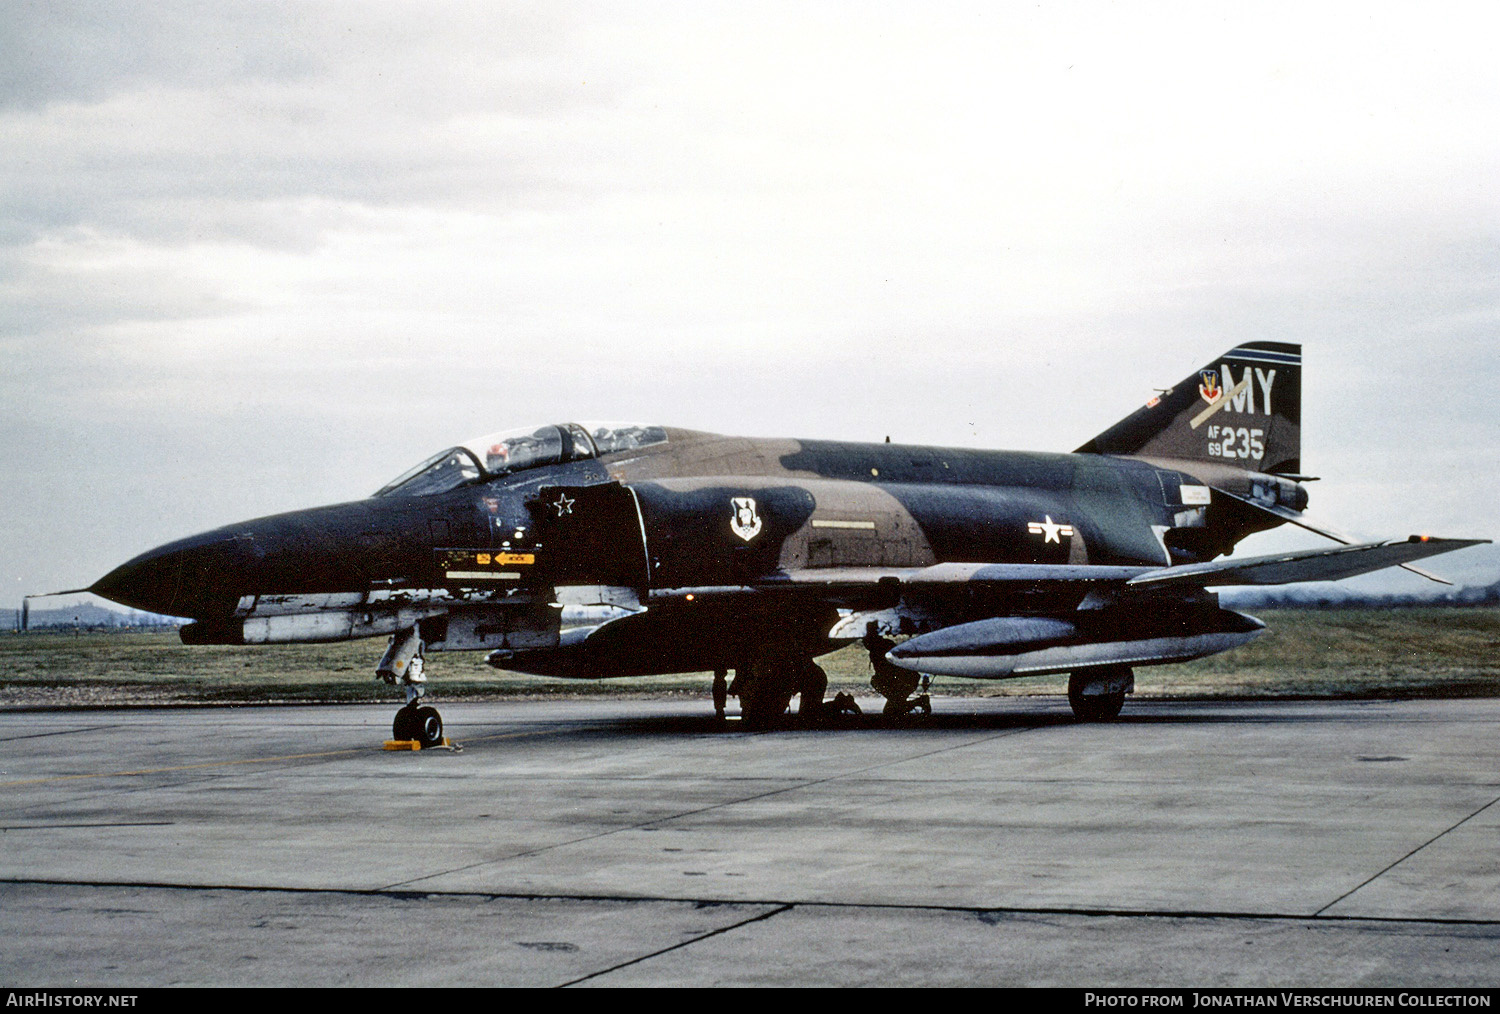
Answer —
199 577
148 582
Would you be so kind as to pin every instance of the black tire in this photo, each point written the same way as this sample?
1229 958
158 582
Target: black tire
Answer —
811 687
765 689
763 709
428 726
404 726
1096 707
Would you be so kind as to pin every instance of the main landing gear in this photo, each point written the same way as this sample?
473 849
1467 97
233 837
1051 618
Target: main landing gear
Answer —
1097 695
897 685
767 685
402 665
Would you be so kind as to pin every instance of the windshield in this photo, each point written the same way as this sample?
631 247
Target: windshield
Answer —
443 471
512 450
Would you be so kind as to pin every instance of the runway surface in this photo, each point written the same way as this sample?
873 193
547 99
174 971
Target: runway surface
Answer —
638 842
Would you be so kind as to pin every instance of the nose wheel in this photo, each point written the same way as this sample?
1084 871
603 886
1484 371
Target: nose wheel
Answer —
418 722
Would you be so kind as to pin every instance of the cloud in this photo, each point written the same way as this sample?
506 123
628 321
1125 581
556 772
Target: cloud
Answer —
192 121
75 52
279 228
78 52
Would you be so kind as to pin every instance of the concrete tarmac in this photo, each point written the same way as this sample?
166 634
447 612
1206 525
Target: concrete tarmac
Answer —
607 843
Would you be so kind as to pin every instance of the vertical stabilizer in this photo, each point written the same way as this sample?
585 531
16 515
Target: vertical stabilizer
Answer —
1244 408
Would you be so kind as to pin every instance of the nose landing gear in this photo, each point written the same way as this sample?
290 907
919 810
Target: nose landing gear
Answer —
417 723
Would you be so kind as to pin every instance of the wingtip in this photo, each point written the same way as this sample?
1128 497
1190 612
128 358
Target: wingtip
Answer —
1452 544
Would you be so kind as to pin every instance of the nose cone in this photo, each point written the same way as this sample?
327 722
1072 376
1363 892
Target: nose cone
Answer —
322 550
148 582
199 577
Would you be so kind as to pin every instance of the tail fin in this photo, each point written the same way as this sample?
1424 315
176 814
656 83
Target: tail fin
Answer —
1244 408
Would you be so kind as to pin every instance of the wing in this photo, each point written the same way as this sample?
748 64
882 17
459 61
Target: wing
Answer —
1307 565
1281 568
1041 618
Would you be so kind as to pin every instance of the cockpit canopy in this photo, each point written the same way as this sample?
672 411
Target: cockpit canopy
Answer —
509 451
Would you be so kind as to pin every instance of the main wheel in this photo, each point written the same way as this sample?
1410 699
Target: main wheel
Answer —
763 707
765 689
429 727
811 686
1096 707
1114 680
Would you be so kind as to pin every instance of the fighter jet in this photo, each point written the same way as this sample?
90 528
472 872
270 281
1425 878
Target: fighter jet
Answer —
590 550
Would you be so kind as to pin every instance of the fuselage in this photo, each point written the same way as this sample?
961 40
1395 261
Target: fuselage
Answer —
690 510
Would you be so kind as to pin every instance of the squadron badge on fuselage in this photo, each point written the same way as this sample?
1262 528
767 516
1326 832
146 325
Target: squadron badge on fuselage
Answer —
746 521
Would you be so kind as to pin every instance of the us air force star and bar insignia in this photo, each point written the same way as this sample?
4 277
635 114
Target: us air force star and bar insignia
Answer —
746 520
1049 530
563 504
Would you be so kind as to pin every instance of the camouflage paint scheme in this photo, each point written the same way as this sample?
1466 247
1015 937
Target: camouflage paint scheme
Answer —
691 551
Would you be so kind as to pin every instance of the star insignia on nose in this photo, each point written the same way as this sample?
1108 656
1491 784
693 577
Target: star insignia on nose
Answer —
564 505
1049 530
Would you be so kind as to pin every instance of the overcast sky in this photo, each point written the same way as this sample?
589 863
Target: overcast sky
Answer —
259 257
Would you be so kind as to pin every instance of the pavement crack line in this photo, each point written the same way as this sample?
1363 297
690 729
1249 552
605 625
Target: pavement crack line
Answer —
1365 883
806 784
784 904
112 823
678 946
55 732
